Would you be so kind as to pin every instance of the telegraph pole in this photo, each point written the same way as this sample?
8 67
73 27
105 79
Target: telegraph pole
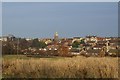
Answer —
17 45
107 46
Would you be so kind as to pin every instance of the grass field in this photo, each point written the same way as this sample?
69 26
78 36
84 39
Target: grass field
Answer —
59 67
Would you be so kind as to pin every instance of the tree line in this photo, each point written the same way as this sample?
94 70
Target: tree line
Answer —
11 47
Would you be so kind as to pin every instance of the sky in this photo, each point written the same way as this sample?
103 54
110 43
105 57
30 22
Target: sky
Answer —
69 19
59 0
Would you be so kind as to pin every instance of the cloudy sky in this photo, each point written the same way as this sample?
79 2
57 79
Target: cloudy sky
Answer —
69 19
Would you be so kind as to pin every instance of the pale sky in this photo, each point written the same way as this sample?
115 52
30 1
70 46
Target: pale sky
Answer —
59 0
69 19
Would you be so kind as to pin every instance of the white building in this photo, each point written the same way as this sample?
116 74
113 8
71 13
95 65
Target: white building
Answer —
28 39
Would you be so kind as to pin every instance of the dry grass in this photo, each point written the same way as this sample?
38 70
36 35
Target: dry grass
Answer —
76 67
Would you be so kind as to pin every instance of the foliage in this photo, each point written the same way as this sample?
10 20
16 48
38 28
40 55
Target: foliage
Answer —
15 46
75 44
7 48
24 44
82 41
37 44
63 51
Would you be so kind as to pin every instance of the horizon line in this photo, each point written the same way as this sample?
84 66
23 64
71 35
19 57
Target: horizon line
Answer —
53 36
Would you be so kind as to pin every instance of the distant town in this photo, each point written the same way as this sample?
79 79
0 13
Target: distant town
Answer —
68 47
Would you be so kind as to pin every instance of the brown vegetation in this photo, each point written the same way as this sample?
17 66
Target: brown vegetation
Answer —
76 67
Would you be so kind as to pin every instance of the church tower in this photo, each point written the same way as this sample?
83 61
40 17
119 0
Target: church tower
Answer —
56 37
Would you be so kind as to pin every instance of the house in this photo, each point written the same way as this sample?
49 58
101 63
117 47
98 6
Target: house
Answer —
114 46
5 38
91 43
107 38
87 46
101 42
114 42
28 39
52 47
48 41
8 37
77 39
91 38
101 39
98 46
45 39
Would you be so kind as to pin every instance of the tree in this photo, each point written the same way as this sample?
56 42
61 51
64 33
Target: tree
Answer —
7 48
75 44
37 44
24 44
82 41
42 44
63 51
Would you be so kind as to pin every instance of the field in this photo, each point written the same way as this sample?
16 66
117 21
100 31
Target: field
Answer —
60 67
